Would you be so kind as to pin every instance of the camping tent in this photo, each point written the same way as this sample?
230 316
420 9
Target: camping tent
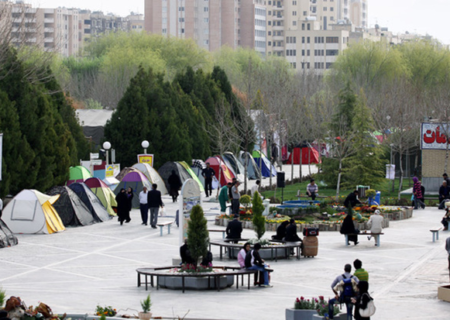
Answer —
91 201
124 172
137 181
70 208
7 239
192 174
264 164
152 176
32 212
309 155
78 174
230 162
226 175
197 167
104 193
252 168
166 170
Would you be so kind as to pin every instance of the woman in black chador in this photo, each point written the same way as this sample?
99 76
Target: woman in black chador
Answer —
174 184
349 228
122 206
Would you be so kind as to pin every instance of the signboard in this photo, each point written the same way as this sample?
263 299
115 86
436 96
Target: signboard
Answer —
145 158
390 171
434 136
1 154
96 162
94 156
191 196
112 170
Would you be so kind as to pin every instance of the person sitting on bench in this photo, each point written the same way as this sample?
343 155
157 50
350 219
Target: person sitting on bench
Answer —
234 229
281 231
375 224
446 217
312 189
253 261
185 254
444 194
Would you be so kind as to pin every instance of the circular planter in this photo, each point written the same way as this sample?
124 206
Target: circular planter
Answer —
194 283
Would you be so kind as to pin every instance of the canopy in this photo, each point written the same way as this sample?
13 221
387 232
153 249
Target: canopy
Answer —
7 239
78 174
309 155
91 201
264 164
152 176
136 181
72 211
104 193
32 212
192 174
252 169
166 170
225 174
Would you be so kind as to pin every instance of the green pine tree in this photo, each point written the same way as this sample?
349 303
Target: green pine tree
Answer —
197 232
259 221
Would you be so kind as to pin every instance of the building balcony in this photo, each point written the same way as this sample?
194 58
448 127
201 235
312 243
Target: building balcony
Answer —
278 48
278 28
49 29
278 8
49 40
30 40
49 20
278 38
278 17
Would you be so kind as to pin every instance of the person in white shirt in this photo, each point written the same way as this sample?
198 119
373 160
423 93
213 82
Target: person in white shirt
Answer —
143 205
375 224
312 189
256 187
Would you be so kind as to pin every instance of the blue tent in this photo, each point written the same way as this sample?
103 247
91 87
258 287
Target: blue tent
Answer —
264 164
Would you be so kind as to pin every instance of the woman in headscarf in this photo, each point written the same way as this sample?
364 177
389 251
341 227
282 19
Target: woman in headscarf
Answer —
417 192
130 203
362 299
174 184
349 228
281 231
242 254
122 206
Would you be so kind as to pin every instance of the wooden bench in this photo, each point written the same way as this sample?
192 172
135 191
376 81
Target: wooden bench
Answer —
162 224
299 195
376 235
435 233
224 232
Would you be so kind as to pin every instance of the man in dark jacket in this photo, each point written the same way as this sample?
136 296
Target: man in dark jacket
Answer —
185 254
444 194
352 199
234 229
208 173
253 261
154 202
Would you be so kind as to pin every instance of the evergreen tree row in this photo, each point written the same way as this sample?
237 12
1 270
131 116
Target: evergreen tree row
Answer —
41 136
173 116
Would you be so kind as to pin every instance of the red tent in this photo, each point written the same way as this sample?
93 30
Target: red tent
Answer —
309 155
226 174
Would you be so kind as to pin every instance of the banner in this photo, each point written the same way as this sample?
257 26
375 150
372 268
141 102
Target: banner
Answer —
434 136
390 171
191 196
145 158
1 154
112 170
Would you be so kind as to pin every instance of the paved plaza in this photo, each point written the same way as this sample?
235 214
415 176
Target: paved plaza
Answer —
75 270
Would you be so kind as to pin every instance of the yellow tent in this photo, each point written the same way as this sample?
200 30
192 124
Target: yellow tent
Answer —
104 193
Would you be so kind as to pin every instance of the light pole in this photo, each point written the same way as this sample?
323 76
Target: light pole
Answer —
107 146
393 180
145 144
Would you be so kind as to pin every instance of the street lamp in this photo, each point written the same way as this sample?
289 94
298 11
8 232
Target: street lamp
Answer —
393 180
145 144
107 146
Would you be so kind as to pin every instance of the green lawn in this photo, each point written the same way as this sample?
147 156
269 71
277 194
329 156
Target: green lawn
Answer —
290 192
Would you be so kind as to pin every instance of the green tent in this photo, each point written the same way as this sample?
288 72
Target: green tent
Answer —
78 174
192 174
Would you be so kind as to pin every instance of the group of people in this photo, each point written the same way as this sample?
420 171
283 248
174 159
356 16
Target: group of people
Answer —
148 200
250 259
230 192
351 290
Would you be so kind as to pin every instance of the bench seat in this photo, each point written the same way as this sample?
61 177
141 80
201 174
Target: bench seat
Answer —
376 235
161 226
435 233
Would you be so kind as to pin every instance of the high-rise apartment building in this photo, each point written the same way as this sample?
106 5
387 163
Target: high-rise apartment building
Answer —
212 24
355 11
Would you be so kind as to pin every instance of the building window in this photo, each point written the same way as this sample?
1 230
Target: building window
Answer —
206 20
294 23
303 39
332 39
294 3
308 40
270 33
331 8
329 65
303 26
324 8
308 53
205 9
309 26
303 53
305 13
332 52
294 65
180 8
205 42
294 13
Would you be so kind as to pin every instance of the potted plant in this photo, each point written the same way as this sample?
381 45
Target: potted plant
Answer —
371 193
146 306
304 309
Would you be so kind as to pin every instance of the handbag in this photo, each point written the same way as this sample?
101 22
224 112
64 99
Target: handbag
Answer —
369 310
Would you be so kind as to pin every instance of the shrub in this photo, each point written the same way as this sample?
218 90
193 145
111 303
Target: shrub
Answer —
146 304
245 200
2 297
197 232
259 222
371 193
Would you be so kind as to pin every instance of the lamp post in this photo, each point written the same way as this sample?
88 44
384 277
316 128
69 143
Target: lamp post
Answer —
107 146
145 144
393 180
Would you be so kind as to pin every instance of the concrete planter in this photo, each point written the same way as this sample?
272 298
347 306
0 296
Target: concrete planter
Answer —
145 315
264 252
194 283
299 314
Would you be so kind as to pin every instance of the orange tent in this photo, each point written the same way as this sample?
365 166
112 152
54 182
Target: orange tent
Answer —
226 174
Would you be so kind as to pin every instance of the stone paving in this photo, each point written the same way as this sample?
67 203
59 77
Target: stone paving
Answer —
75 270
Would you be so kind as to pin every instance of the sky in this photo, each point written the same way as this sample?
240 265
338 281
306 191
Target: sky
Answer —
415 16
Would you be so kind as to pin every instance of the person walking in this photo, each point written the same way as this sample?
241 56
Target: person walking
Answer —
375 224
344 288
130 196
223 197
417 192
235 200
143 200
312 189
208 173
122 205
362 299
255 187
174 185
154 201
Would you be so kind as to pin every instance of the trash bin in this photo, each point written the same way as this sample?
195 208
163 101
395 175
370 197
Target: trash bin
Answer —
310 242
362 190
378 198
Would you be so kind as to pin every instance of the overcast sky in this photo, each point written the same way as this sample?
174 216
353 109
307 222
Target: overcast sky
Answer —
421 16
